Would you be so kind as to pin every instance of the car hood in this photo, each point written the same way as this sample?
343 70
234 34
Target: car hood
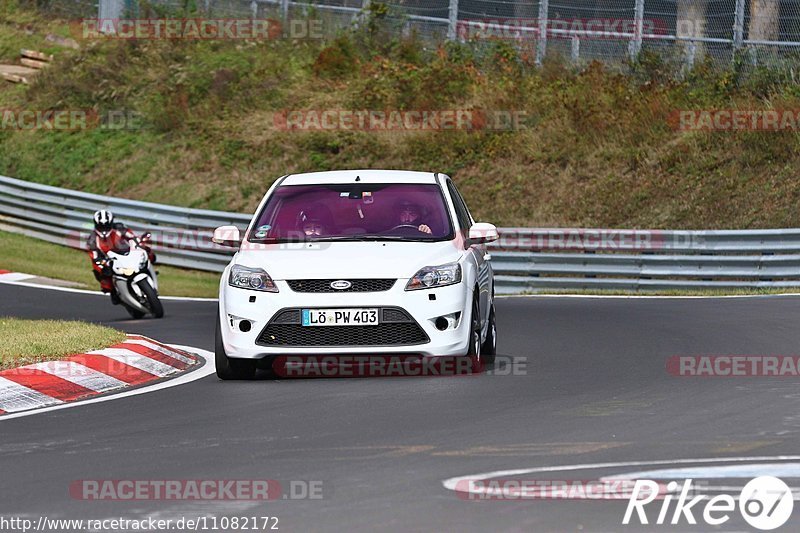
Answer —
347 260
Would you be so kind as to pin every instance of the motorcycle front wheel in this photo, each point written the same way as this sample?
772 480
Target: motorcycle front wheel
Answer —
153 303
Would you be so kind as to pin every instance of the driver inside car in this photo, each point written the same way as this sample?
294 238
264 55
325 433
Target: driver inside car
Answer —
315 221
313 228
411 214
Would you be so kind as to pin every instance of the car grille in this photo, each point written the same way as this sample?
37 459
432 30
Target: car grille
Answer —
324 285
396 328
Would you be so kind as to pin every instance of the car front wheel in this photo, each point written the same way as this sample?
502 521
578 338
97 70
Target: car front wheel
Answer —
474 347
489 347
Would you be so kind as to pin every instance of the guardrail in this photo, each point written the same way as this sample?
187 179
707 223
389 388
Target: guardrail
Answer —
181 236
524 259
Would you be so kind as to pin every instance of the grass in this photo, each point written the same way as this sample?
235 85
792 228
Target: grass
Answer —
596 147
24 342
39 258
22 28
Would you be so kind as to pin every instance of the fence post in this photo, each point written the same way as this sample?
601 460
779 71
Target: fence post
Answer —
208 7
691 54
285 11
738 25
638 20
576 49
541 43
363 15
452 24
254 9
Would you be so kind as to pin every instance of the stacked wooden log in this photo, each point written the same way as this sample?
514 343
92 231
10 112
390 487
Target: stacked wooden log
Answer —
31 63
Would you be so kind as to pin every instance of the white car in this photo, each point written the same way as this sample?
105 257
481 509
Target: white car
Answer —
356 262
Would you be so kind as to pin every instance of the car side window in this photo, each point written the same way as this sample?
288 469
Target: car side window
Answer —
464 218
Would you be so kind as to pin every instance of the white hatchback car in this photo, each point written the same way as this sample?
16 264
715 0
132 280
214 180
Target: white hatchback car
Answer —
356 262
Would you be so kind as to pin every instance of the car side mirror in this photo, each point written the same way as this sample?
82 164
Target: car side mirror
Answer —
482 232
227 236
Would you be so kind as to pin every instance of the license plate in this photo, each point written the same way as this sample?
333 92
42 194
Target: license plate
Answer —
340 317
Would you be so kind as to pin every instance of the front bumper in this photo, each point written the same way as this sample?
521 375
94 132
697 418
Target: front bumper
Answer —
422 306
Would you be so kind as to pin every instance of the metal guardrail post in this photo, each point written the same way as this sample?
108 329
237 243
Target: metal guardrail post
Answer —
541 42
452 24
638 19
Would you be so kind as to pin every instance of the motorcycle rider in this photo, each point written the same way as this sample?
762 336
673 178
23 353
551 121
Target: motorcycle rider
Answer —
110 236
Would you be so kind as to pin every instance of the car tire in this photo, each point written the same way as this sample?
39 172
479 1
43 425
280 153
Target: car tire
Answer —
230 368
474 342
489 347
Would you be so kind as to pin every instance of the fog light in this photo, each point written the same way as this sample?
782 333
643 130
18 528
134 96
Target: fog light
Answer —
445 322
244 326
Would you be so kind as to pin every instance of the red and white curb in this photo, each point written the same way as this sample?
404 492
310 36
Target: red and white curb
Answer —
132 363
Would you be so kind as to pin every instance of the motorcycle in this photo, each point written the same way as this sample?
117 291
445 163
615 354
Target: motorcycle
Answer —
136 281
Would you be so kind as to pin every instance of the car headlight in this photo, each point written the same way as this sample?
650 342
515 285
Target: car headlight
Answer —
435 276
255 279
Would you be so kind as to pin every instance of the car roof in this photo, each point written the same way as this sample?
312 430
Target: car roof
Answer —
366 176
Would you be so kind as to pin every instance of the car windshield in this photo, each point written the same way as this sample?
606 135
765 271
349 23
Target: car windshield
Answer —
409 212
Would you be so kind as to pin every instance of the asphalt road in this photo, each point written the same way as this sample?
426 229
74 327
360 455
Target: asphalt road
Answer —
593 388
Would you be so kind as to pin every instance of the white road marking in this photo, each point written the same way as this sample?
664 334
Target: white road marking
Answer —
15 276
80 375
193 375
740 471
136 360
457 484
14 397
95 293
159 349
